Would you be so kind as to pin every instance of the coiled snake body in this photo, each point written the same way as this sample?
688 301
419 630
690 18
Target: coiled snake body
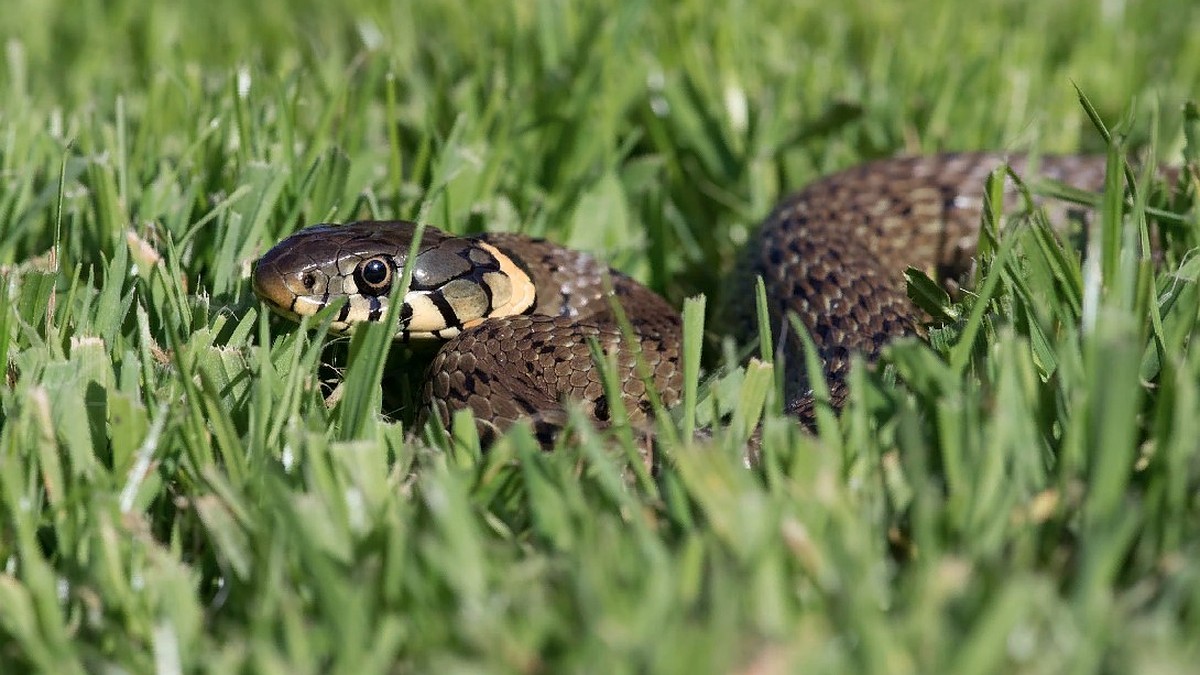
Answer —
517 313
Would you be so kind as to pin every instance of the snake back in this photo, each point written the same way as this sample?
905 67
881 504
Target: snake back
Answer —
834 253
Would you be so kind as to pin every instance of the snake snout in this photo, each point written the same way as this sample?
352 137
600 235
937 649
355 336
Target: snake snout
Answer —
270 285
281 281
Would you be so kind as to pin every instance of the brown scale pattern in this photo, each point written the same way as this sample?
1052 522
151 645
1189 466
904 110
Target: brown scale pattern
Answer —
835 252
528 366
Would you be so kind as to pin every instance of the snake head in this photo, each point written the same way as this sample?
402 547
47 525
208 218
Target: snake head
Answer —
456 282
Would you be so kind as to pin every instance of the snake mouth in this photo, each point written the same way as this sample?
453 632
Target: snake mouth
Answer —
284 291
286 294
295 291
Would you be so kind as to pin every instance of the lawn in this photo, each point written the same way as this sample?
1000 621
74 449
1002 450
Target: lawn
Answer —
1019 493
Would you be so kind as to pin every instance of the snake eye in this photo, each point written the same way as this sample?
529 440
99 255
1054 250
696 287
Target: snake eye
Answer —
373 276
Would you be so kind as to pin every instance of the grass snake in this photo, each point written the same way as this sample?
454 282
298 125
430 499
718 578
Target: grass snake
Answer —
516 313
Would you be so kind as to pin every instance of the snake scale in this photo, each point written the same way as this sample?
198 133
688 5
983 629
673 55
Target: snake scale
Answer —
516 314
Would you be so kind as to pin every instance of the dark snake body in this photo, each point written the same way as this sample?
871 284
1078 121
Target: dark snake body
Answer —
526 366
833 253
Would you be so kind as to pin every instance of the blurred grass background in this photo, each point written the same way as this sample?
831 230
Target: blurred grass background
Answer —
175 496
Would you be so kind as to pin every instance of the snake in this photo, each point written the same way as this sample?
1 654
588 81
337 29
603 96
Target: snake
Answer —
515 319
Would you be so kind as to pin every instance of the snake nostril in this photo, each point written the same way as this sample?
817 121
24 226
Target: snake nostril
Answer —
309 280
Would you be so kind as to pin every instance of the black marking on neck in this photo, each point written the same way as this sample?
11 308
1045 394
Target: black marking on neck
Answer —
487 293
449 316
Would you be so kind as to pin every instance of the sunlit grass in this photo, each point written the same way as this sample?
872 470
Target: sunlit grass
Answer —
1016 494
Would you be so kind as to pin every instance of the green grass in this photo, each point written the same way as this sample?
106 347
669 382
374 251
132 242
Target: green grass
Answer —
1019 494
